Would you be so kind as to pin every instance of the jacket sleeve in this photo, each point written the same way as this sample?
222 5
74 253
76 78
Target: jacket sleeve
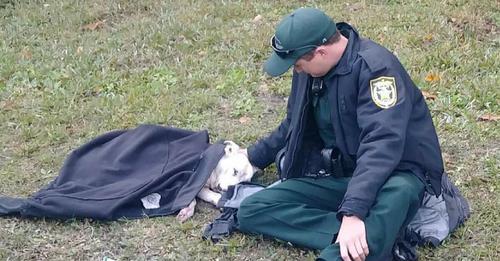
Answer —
263 152
383 127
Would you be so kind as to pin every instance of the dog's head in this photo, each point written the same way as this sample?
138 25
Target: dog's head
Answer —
232 169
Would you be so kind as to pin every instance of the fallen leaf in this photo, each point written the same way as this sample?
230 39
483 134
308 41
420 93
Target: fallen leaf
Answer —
432 77
428 38
244 120
79 50
26 54
7 105
489 117
429 95
93 26
257 19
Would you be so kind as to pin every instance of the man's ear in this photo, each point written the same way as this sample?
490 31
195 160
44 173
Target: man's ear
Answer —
321 50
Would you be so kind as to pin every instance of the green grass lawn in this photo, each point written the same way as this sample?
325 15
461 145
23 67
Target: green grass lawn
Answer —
70 70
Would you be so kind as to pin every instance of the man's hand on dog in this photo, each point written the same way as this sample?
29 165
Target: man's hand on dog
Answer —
352 239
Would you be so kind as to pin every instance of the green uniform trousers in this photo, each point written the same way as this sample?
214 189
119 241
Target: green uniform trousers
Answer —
302 211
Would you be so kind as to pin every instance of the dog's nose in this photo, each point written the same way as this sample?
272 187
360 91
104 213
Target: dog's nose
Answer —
219 187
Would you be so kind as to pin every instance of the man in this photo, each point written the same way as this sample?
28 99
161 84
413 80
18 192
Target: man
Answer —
356 150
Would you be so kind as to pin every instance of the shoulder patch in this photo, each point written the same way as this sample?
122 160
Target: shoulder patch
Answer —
384 92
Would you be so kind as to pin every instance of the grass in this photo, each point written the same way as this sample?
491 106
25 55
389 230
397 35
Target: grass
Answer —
197 65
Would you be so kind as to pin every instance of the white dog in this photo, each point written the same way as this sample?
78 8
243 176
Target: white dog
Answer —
232 169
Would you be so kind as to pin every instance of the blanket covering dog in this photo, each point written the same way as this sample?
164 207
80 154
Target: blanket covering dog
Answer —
147 171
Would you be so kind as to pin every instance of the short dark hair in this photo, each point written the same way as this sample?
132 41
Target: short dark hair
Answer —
333 39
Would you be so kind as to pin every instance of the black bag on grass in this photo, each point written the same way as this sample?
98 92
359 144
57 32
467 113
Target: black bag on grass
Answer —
433 222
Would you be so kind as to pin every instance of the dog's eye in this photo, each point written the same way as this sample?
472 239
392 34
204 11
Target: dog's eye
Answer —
235 173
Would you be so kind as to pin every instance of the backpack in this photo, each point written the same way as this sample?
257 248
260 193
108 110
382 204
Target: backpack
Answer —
230 202
433 222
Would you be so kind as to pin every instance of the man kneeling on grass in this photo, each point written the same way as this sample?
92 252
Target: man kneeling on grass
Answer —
356 150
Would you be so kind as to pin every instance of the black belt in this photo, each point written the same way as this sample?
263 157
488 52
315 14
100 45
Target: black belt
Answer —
320 174
335 164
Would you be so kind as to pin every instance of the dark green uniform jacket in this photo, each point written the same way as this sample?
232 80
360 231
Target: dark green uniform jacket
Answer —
380 119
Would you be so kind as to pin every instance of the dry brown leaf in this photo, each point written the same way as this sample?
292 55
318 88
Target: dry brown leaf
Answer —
26 54
257 19
244 119
428 37
432 77
489 117
429 95
7 105
94 26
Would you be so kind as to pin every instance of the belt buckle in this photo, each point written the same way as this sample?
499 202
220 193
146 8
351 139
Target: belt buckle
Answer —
323 174
320 174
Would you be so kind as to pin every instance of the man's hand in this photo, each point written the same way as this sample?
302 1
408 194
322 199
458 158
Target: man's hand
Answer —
352 239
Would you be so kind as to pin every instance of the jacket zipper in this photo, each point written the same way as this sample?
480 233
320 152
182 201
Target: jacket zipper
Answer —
299 132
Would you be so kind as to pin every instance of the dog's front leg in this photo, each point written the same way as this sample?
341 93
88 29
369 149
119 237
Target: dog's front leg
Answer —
209 196
186 212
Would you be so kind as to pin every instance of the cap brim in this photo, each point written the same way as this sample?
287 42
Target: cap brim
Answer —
276 66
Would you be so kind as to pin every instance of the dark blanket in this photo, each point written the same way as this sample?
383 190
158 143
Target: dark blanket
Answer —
107 177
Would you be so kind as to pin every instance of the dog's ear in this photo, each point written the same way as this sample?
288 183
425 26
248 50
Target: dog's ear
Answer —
231 147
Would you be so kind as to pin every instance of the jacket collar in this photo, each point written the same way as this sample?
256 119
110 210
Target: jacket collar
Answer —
344 66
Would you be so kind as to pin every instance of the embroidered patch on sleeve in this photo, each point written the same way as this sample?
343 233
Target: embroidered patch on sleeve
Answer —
383 90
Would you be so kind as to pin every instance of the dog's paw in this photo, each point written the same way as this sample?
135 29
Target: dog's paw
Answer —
185 214
214 198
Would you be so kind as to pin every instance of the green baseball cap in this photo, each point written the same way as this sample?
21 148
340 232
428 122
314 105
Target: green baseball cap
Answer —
297 34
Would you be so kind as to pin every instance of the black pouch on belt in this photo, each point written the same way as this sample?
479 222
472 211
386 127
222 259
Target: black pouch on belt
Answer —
280 157
333 162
